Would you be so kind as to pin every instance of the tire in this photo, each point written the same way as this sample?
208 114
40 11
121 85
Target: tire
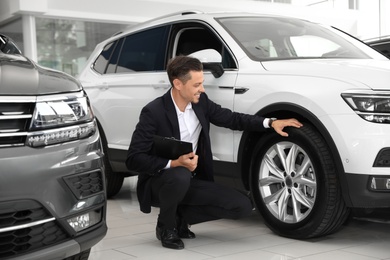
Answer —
81 256
295 185
114 180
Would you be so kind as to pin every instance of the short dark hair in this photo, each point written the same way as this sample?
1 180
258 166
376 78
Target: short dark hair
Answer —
180 66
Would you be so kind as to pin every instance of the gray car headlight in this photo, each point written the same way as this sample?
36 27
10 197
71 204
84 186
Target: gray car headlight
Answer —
373 108
59 119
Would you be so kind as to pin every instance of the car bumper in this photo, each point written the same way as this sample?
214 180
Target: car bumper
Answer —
47 186
363 147
362 196
63 250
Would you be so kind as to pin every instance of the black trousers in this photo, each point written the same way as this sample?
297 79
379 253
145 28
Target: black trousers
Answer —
175 192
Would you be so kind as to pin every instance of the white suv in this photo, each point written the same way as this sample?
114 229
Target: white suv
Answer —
304 185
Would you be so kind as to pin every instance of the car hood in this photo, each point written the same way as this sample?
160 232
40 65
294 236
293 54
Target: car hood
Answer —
21 76
374 74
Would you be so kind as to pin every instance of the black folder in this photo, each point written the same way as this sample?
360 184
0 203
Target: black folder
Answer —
170 148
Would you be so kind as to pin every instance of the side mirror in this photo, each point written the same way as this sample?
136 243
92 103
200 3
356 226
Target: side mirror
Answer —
211 59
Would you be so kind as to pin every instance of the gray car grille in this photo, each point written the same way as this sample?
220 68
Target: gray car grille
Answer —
15 119
25 227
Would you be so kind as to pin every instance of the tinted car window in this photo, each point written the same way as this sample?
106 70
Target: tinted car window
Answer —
143 51
382 46
111 67
100 64
192 39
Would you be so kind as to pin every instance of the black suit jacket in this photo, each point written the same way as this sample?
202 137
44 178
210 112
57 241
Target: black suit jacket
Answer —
159 117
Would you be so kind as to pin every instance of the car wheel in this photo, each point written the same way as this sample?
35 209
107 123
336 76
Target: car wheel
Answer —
114 180
81 256
295 185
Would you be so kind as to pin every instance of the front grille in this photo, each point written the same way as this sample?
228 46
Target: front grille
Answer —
15 119
29 239
25 226
23 214
86 184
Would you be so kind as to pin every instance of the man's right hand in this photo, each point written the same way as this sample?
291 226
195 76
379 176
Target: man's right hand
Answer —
190 161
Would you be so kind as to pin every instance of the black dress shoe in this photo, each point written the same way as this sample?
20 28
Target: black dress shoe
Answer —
169 238
183 230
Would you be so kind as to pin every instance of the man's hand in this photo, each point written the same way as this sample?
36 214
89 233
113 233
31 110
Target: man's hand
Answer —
190 161
279 125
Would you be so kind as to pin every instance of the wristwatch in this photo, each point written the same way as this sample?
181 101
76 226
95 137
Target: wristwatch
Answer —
270 121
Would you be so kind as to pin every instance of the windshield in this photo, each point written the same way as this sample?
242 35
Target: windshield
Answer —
270 38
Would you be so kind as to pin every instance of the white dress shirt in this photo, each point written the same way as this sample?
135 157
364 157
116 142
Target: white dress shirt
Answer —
189 126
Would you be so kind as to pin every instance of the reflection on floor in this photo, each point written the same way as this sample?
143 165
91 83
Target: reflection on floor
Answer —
131 235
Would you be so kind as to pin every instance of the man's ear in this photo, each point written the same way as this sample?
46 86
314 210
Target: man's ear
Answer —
177 84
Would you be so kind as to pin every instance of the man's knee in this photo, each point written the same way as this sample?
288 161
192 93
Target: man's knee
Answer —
179 177
170 186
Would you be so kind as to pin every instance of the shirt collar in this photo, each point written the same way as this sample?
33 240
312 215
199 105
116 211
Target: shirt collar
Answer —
188 107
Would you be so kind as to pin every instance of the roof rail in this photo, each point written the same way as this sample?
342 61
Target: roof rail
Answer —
191 12
185 12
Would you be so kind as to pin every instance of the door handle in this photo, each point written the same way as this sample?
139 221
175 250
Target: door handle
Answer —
103 86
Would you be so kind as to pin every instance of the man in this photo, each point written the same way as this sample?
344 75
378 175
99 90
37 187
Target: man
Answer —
184 188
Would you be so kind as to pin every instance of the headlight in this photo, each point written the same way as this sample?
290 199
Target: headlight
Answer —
69 110
58 119
373 108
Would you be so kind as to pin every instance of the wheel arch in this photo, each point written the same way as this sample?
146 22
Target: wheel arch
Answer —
284 110
102 136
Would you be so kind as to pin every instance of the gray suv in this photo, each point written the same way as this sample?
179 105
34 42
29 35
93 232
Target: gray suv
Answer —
52 185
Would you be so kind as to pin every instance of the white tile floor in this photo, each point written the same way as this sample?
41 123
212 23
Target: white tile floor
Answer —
131 235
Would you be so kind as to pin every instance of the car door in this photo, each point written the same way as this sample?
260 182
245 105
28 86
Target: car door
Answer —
190 37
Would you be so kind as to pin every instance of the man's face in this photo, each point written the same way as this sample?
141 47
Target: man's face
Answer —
190 91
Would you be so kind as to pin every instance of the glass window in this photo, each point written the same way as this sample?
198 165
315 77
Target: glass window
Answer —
261 48
14 30
193 38
143 51
111 68
312 46
268 38
8 46
66 44
382 46
101 62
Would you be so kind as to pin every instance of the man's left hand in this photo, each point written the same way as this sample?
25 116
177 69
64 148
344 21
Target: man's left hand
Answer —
279 124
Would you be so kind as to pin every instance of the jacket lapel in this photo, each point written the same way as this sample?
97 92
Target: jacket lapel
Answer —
202 119
171 114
